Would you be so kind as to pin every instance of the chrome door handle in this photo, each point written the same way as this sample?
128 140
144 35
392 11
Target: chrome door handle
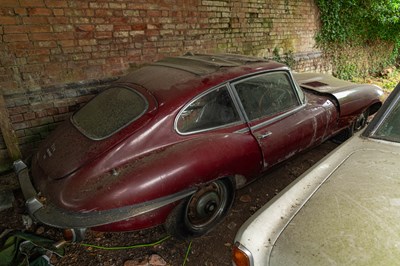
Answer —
266 134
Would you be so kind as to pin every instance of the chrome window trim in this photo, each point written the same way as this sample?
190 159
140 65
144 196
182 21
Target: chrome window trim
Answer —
238 101
295 88
207 129
277 118
242 131
298 89
229 84
120 128
224 85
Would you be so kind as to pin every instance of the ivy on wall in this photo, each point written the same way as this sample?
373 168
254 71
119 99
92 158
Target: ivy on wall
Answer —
361 37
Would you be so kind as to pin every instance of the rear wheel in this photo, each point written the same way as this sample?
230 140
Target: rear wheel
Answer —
202 211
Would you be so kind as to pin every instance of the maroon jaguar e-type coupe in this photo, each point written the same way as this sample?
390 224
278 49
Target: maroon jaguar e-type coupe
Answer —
170 142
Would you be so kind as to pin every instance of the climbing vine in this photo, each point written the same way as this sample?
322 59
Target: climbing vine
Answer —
287 58
361 37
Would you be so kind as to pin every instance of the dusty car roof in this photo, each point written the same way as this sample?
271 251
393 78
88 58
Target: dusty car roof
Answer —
200 64
190 74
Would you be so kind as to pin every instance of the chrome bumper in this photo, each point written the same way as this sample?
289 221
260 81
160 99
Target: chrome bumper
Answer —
56 217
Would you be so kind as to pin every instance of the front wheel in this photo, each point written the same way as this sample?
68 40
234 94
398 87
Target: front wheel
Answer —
357 125
202 211
361 121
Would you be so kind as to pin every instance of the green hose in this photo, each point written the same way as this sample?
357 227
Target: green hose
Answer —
127 247
140 246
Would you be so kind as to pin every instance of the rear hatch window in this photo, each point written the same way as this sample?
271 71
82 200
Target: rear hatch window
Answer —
109 112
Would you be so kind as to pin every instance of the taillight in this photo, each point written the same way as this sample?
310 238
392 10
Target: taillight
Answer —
240 257
71 235
74 235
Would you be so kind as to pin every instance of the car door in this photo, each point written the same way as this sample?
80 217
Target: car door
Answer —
277 115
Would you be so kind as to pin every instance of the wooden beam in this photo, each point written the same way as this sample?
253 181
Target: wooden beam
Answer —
9 136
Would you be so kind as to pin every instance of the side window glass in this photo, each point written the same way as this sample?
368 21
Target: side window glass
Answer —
266 94
215 109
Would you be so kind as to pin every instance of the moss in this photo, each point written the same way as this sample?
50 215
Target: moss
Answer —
267 23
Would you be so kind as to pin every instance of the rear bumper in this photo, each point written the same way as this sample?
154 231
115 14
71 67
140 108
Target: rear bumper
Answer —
54 216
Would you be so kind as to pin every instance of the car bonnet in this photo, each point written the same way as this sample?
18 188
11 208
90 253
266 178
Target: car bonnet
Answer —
352 218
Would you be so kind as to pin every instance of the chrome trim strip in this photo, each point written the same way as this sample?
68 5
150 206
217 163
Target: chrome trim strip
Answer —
236 102
279 117
296 89
239 102
242 131
209 129
220 86
56 217
228 84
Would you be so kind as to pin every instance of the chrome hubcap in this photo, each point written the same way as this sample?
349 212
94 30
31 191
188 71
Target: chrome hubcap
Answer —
206 205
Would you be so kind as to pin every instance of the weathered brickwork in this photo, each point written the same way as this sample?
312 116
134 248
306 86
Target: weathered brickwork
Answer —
35 114
47 45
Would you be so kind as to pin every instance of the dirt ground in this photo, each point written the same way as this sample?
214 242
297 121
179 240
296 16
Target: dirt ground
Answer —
210 250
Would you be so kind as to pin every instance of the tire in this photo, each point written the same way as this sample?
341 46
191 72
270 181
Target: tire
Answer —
361 121
343 135
201 212
358 124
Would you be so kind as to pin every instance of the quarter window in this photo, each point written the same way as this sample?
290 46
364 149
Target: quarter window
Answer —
266 94
213 110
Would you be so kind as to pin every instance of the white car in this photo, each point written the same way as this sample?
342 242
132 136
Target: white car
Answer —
343 211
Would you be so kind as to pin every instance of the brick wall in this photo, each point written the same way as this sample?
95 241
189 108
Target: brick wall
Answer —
55 54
